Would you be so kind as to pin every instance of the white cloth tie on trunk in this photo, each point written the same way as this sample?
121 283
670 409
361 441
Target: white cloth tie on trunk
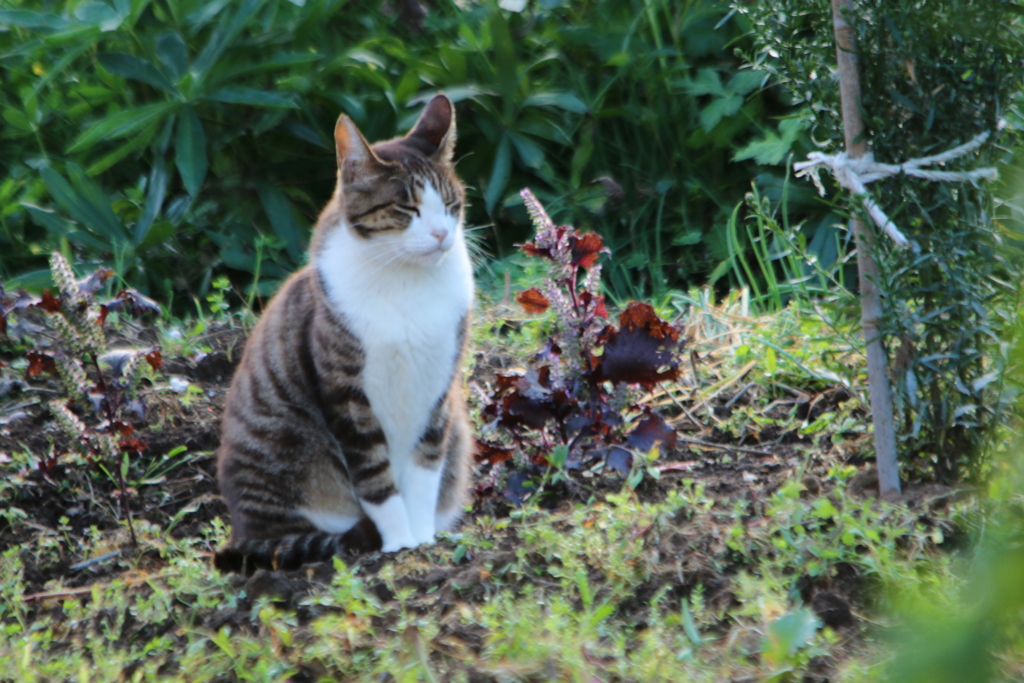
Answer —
855 174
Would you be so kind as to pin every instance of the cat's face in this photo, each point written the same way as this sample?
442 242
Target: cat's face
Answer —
402 201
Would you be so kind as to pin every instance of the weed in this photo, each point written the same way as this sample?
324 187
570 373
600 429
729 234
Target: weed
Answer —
88 374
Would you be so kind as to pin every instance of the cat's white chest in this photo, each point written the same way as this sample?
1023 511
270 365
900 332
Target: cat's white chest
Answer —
411 345
408 321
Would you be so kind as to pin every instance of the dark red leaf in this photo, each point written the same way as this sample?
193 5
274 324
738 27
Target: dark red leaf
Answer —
133 445
505 383
600 310
652 430
517 410
488 452
98 400
40 363
640 315
532 249
92 283
644 351
49 303
24 300
117 360
523 400
138 408
518 488
155 359
586 248
132 301
533 301
619 459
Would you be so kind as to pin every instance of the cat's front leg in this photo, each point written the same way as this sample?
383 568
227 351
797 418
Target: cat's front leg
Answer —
381 499
365 450
392 520
419 488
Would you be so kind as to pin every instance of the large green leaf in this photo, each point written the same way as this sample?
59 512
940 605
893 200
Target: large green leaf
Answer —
173 55
190 150
276 62
101 15
279 211
772 148
707 82
562 100
129 66
253 97
135 144
156 190
48 218
223 36
84 202
105 220
122 124
527 149
500 173
27 19
719 108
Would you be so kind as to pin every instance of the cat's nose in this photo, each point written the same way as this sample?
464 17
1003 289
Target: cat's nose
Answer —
439 233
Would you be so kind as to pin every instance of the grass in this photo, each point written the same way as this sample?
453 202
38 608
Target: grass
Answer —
614 590
753 551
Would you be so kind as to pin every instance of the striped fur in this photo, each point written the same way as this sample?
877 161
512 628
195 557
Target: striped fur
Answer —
345 427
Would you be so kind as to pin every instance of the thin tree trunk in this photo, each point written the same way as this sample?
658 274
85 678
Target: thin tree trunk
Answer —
870 296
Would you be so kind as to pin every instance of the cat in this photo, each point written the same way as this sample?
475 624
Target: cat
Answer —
345 426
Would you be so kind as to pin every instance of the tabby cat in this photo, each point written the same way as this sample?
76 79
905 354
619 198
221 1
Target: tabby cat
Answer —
345 427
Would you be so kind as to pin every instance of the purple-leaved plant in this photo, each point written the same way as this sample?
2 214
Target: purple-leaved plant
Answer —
577 403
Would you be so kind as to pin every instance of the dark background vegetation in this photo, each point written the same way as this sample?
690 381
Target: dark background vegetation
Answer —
180 140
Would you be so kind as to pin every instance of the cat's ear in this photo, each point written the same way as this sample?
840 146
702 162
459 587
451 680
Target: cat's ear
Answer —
352 149
434 132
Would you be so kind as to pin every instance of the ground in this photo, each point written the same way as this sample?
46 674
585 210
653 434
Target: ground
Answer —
754 550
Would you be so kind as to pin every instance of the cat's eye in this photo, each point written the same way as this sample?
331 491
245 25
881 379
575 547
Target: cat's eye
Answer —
408 209
453 206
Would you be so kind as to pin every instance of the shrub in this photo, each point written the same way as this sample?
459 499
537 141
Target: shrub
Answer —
931 80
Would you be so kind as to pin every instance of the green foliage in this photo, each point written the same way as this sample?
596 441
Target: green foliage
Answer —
179 140
978 638
616 589
931 80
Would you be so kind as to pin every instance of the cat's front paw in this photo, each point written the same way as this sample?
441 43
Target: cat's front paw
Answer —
422 529
397 543
424 538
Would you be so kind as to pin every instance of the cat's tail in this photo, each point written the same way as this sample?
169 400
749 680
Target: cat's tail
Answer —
294 550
